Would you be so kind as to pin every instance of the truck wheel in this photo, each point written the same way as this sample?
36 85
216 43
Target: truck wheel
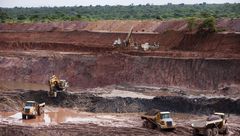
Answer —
226 130
145 124
208 132
215 132
195 132
40 111
149 125
159 127
23 116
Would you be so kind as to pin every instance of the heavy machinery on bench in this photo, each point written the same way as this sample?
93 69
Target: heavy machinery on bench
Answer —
129 43
154 119
212 126
56 85
124 43
32 109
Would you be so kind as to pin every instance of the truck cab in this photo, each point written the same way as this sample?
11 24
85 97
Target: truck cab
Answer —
31 109
165 121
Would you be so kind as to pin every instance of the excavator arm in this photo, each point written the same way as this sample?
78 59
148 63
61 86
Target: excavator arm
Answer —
127 40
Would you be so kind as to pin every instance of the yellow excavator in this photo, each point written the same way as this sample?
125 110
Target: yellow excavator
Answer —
56 85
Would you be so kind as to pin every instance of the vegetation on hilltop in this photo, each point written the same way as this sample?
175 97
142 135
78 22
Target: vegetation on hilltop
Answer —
133 12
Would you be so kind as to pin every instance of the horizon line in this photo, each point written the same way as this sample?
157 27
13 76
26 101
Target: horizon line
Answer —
132 4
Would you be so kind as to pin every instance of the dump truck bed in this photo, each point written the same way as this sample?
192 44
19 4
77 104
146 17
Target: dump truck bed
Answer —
199 124
41 104
204 123
147 117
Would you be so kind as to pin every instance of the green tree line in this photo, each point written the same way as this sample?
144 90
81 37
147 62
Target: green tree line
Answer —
132 12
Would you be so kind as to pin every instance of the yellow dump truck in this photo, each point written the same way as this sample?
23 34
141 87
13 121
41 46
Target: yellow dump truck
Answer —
56 85
160 120
212 126
32 109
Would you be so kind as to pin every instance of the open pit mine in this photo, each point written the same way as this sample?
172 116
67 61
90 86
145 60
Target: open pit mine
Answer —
100 78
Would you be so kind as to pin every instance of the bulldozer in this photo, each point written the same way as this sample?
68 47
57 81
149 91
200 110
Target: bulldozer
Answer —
124 43
56 85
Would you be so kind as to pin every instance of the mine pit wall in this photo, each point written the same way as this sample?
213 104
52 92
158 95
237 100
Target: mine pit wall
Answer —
43 40
88 71
210 42
67 47
92 103
83 40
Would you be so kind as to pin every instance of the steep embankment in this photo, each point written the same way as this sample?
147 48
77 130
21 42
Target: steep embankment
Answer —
210 42
105 69
173 64
43 40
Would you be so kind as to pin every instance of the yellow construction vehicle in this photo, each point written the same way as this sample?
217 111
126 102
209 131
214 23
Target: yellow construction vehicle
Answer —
56 85
212 126
31 109
160 120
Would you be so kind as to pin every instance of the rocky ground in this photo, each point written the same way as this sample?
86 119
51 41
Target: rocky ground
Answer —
113 110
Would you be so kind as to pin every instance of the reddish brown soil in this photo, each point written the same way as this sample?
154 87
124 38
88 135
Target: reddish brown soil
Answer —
31 53
231 25
203 42
89 39
228 44
93 70
88 59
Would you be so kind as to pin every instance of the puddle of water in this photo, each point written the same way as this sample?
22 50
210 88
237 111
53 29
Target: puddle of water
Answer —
120 93
83 120
61 115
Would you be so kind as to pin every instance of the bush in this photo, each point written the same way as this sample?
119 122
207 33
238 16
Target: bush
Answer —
192 23
209 24
3 16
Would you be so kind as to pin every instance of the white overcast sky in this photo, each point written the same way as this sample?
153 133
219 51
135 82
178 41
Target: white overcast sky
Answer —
51 3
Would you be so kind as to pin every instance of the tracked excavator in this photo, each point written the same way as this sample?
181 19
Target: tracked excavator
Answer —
128 43
124 43
56 85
